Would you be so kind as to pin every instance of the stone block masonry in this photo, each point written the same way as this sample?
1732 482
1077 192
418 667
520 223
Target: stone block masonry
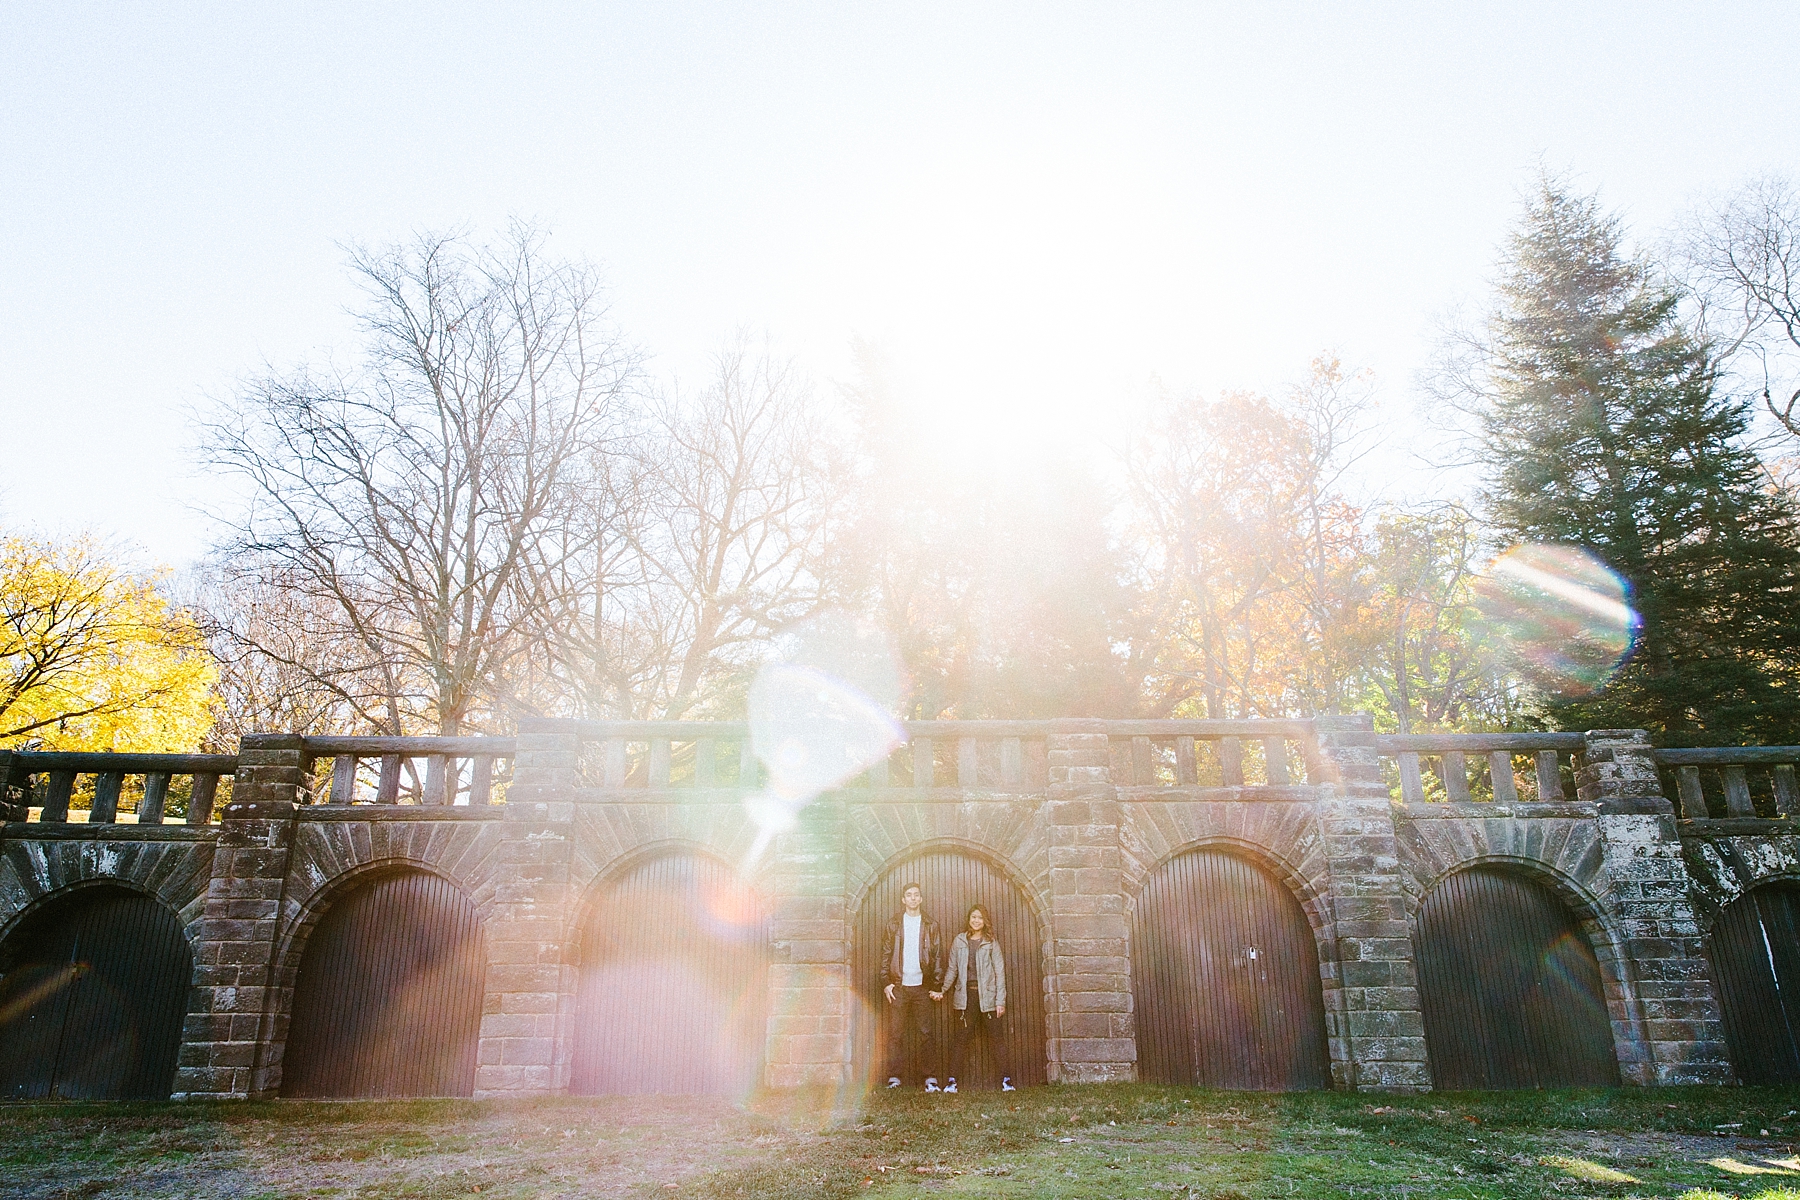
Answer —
228 1048
1078 843
1666 1020
1093 1037
810 993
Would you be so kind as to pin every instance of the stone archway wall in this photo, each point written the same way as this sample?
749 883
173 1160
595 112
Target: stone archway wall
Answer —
388 993
1080 847
1512 991
1727 860
93 988
1725 863
1019 837
1566 854
171 863
335 852
1623 876
1338 857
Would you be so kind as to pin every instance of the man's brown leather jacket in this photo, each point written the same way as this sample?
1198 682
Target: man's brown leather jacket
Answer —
931 952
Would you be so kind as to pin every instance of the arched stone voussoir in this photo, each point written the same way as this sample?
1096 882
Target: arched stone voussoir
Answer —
1008 832
33 873
301 913
1586 902
1284 838
1722 869
326 853
607 838
1567 854
1034 886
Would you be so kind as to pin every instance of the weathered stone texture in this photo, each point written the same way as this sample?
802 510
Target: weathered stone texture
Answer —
1376 1031
809 986
1095 1040
252 889
233 958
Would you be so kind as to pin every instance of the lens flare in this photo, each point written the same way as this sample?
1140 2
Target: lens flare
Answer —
729 910
1561 613
813 732
820 715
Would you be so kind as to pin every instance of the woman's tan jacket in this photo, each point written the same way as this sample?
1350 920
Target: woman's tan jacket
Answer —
990 973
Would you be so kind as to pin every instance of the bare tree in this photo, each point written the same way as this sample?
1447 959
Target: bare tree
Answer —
1741 260
739 483
287 660
700 538
581 588
1334 406
401 498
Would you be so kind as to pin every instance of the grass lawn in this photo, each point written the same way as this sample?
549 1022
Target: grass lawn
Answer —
1134 1140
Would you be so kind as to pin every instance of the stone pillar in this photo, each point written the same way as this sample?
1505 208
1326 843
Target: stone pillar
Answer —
527 1011
1666 1020
810 996
1093 1036
226 1045
1375 1027
15 802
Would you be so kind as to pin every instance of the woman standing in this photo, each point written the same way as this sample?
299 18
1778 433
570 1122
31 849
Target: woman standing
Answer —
975 959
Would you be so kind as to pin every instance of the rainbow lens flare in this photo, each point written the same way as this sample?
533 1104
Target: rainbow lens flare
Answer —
820 715
1561 613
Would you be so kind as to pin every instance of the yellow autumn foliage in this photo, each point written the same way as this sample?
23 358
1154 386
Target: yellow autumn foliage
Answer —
94 657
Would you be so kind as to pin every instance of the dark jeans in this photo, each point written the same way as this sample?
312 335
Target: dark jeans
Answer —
972 1023
909 1032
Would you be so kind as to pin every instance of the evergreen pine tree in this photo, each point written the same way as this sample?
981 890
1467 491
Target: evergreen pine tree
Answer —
1603 426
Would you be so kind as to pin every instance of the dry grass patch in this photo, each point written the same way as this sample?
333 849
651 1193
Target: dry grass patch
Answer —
1115 1141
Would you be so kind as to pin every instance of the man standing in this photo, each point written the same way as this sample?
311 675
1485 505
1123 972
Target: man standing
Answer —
912 967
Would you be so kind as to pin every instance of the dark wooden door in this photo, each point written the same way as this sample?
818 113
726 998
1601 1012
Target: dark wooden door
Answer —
673 995
92 996
388 998
1510 988
1755 952
1226 976
951 882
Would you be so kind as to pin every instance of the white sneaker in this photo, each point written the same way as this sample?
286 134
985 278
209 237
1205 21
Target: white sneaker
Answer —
893 1081
931 1084
951 1089
1006 1085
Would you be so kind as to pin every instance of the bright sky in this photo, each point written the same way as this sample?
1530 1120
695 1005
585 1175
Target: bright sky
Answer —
1034 210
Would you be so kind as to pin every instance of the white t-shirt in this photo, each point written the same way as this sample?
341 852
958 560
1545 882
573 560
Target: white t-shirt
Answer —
911 973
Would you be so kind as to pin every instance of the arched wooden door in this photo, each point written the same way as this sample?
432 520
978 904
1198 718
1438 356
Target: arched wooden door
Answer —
1509 987
1755 953
92 995
951 881
1225 973
673 995
388 998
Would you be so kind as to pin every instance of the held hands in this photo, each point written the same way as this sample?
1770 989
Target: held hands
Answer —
937 995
